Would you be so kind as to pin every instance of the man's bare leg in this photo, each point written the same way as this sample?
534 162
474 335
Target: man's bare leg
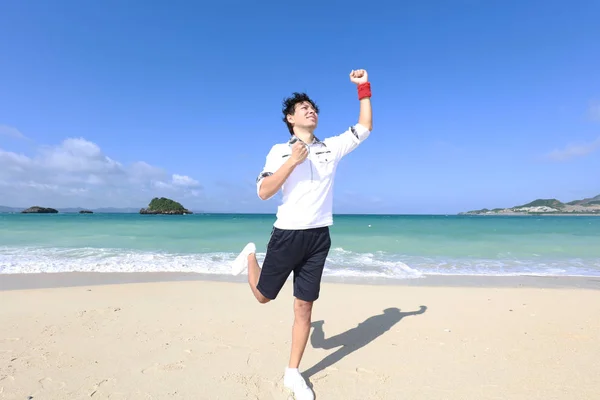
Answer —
253 275
300 330
292 379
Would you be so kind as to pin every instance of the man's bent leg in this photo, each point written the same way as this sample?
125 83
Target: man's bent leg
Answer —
253 276
280 260
300 330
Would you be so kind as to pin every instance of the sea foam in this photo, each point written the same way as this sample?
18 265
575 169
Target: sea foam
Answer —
340 263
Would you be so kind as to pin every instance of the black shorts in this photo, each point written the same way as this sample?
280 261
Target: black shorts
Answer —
302 251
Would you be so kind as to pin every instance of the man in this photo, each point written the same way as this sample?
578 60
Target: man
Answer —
304 169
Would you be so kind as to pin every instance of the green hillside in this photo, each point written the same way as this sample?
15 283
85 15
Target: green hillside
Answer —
583 202
587 206
544 203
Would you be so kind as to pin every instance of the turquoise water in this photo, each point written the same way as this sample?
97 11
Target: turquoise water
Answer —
362 245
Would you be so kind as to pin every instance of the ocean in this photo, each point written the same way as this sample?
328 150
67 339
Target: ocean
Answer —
369 246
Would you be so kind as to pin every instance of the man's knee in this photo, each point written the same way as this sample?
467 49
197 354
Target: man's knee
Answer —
262 299
303 310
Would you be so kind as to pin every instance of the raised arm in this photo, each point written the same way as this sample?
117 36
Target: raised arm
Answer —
346 142
361 79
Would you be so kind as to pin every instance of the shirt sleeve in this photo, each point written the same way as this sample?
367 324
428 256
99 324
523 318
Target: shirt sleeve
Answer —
272 164
348 141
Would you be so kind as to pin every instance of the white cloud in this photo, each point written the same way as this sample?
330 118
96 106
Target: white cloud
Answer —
574 151
77 173
185 181
11 132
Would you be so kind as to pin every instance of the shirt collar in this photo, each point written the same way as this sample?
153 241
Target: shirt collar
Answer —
295 138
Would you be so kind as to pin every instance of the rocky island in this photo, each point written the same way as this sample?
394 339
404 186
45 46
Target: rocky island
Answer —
163 205
39 210
588 206
85 212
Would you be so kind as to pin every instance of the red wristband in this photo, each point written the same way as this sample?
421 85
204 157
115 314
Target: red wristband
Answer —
364 90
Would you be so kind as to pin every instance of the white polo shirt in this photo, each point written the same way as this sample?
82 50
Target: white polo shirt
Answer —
308 191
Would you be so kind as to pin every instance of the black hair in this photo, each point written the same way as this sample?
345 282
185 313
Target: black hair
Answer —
289 106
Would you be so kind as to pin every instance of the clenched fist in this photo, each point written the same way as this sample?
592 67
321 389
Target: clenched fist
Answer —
359 76
299 152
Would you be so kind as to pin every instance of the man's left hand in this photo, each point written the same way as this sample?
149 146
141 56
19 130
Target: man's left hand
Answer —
359 76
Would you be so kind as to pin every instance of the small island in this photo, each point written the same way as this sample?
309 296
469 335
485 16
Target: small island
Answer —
39 210
588 206
86 212
166 206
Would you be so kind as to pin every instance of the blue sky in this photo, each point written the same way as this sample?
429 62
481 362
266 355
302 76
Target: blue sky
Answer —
476 103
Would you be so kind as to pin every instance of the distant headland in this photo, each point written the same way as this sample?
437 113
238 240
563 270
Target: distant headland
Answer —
588 206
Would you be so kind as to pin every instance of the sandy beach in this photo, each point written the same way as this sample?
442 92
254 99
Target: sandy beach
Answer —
198 339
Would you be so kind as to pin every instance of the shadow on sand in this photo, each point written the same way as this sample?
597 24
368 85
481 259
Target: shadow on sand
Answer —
355 338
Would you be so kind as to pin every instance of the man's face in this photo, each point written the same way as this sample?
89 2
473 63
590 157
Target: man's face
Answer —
304 116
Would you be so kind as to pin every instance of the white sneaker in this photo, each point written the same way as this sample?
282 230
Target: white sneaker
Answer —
241 262
296 383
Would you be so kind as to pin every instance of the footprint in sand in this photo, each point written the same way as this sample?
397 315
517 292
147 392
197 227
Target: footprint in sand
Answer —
177 366
256 386
10 339
98 311
370 375
319 376
151 369
6 384
50 330
49 384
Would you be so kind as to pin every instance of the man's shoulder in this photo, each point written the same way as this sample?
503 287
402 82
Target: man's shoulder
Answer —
278 150
279 147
